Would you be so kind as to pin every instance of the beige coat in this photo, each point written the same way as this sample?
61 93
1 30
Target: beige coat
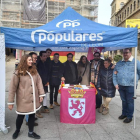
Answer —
28 89
86 77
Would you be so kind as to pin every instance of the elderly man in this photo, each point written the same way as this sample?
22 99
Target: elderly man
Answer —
123 79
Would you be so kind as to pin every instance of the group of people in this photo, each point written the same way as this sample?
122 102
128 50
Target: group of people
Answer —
34 73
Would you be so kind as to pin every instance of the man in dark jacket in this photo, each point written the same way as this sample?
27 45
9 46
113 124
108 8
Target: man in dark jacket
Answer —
43 70
96 64
70 75
48 54
56 72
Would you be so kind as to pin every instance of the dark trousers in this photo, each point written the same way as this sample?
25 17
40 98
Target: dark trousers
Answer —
98 99
51 93
45 89
31 121
127 94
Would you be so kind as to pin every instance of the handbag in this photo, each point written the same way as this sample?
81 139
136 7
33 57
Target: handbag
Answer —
80 77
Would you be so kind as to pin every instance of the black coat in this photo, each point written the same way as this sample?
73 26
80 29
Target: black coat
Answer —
56 72
48 60
44 72
105 82
68 73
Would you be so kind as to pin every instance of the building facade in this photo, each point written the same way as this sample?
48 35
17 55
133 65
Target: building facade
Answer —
125 9
116 5
11 13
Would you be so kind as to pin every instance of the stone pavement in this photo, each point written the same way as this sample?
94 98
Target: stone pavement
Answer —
106 127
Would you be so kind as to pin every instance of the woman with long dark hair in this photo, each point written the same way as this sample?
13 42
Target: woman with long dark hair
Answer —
83 67
26 84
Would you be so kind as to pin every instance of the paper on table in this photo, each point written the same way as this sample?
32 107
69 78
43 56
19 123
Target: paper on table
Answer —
66 85
84 87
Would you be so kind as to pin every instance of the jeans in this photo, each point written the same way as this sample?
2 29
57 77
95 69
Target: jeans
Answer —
26 118
51 93
98 99
127 94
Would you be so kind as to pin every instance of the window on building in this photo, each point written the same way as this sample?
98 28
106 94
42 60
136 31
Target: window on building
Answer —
115 23
71 1
138 3
121 4
120 18
134 5
89 1
113 9
125 14
131 9
128 11
121 51
139 44
122 15
115 52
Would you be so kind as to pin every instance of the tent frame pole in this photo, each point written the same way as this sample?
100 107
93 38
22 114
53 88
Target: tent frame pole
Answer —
135 87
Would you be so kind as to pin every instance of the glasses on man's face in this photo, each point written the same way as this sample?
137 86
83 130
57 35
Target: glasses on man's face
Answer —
126 52
96 56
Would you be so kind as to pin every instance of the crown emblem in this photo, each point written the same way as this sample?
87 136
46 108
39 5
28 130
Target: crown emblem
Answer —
77 93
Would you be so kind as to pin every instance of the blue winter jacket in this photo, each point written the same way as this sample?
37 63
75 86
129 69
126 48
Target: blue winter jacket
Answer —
125 73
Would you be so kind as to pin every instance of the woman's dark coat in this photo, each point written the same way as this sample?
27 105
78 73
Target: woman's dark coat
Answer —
105 82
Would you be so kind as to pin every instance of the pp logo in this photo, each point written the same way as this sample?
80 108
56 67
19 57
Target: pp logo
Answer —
68 23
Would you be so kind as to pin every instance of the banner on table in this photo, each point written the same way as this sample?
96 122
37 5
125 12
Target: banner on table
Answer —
78 108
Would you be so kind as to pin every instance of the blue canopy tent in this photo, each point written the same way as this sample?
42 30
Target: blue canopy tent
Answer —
72 30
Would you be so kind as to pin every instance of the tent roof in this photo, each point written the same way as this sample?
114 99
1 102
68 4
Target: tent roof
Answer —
70 29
